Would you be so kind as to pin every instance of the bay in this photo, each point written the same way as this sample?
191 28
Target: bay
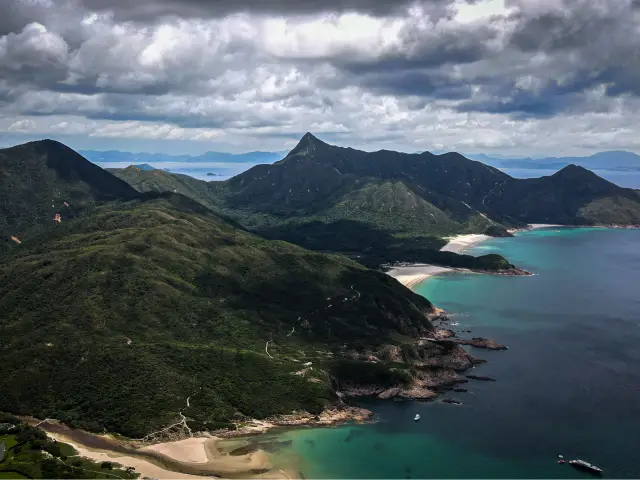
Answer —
569 383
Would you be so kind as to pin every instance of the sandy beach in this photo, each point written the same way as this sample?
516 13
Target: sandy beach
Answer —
202 454
411 275
460 243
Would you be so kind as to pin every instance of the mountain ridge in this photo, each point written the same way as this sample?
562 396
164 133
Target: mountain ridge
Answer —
409 201
114 316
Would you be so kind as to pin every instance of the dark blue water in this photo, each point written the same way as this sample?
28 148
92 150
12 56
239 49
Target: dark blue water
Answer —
569 383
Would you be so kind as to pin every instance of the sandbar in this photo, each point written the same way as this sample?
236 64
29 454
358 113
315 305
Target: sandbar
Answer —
202 453
460 243
411 275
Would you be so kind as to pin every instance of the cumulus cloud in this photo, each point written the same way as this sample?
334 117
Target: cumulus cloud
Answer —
472 73
24 125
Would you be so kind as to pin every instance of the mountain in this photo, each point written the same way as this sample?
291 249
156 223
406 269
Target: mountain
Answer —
41 179
143 311
144 166
388 206
571 196
613 160
111 156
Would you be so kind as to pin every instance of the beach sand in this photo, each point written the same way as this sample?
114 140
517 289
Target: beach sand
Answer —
411 275
460 243
193 452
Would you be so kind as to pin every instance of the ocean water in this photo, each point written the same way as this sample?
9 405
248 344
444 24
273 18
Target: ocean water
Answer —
199 170
569 383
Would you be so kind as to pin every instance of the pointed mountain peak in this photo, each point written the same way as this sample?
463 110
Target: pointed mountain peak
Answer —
577 173
309 137
573 169
307 144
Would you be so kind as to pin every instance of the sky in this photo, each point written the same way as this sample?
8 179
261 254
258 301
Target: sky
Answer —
512 77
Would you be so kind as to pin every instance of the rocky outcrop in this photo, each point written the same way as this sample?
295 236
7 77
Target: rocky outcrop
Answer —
417 392
452 401
480 377
498 232
330 416
481 342
390 393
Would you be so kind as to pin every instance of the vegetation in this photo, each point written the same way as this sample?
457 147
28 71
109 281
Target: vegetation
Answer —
358 373
38 178
384 206
115 317
30 453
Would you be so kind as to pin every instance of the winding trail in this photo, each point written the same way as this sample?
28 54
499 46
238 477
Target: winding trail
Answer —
330 303
181 424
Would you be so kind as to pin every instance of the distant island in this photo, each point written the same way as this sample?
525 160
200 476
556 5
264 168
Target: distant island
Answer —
618 160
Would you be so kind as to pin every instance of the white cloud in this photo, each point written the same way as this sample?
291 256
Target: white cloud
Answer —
24 125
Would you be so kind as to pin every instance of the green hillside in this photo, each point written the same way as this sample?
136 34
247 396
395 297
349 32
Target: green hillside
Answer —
114 318
385 206
40 179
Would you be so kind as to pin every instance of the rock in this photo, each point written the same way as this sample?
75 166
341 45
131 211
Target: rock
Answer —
418 393
498 232
441 334
371 391
480 377
476 360
460 390
391 393
480 342
452 401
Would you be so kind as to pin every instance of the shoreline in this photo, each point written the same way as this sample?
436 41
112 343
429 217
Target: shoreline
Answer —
195 457
412 274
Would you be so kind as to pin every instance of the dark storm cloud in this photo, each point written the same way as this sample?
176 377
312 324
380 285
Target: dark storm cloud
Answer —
600 39
146 10
137 62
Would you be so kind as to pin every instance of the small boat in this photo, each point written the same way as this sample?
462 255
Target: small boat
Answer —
417 417
582 465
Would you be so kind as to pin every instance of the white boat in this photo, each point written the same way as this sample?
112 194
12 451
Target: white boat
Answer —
417 417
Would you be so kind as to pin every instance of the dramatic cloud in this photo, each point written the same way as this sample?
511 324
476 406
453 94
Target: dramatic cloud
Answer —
525 76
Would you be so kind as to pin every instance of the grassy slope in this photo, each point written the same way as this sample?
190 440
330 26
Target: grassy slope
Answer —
198 299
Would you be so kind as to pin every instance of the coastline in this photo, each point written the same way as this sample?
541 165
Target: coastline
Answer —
204 457
412 274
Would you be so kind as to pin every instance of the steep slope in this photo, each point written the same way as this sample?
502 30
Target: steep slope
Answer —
462 188
40 179
316 177
388 206
112 319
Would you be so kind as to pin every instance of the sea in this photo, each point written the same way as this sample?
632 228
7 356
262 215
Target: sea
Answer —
568 385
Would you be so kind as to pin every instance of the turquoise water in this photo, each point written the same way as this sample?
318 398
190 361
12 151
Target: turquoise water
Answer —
569 383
